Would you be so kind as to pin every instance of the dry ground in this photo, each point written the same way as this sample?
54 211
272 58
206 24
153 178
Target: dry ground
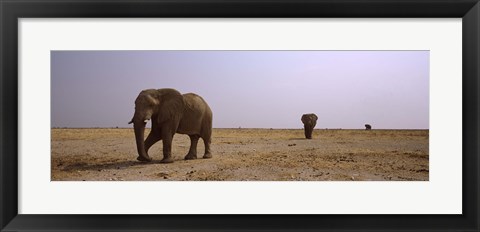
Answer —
246 154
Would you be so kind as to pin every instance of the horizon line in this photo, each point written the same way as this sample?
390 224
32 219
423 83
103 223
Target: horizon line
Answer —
241 128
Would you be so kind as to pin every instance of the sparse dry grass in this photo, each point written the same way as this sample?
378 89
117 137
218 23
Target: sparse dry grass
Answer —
246 154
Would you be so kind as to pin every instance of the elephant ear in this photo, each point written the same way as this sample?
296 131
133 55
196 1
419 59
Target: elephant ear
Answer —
171 105
304 118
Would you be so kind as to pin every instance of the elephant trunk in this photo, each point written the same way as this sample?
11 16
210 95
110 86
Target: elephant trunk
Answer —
139 128
308 131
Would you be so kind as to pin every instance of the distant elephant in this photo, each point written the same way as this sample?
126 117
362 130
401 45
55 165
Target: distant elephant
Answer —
309 122
171 112
368 127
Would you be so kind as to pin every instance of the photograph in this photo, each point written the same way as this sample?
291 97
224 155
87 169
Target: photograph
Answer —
240 115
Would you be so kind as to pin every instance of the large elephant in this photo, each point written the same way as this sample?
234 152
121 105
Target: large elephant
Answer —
171 112
309 122
368 127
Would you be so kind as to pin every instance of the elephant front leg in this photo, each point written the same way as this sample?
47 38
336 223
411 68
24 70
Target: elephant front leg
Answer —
192 153
152 138
167 149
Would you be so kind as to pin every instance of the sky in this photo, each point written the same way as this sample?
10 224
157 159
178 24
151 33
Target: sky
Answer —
247 89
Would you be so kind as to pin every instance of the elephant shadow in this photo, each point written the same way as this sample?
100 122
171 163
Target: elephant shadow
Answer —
104 166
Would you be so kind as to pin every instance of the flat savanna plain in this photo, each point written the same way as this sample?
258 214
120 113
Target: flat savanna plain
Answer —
245 154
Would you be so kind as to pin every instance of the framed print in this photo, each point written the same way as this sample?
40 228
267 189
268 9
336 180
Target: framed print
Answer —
277 115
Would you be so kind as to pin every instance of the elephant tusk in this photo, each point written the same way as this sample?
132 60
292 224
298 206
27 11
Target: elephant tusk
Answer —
146 120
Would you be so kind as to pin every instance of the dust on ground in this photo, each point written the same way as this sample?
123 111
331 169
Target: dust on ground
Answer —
245 155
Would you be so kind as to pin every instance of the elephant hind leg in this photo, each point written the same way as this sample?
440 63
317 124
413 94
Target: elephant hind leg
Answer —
192 153
208 153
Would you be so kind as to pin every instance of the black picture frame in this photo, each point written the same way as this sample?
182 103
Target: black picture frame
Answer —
11 11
